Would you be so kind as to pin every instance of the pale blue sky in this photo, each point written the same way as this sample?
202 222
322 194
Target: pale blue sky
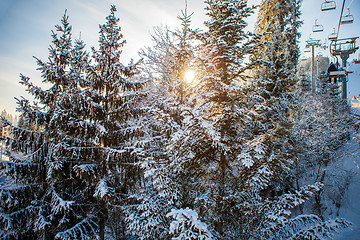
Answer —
25 30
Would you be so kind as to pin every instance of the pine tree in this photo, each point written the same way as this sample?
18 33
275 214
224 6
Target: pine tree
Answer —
118 114
217 126
198 172
40 204
171 56
303 85
276 60
75 161
277 25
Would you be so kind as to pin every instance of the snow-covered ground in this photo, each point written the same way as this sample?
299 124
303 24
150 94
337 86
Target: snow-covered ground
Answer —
3 179
349 163
3 155
355 104
355 107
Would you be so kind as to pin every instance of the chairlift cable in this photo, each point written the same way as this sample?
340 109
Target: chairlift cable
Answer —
350 4
341 14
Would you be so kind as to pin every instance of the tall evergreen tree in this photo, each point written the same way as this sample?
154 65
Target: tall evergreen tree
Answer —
198 174
276 60
218 125
171 57
277 25
41 204
77 162
230 157
119 116
275 75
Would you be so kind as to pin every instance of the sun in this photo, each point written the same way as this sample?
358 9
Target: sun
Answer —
189 76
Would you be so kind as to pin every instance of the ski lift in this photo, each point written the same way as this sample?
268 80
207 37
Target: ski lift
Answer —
306 50
328 5
347 19
357 61
317 27
332 36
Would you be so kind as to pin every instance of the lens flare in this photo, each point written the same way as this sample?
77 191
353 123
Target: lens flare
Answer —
189 76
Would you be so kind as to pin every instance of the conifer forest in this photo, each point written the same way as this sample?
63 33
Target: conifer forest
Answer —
208 134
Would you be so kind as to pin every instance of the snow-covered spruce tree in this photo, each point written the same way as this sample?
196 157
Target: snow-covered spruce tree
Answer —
119 116
171 56
277 26
327 87
276 59
203 149
75 161
47 198
303 85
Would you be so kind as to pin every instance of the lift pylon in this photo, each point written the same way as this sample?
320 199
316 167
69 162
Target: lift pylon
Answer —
343 48
311 44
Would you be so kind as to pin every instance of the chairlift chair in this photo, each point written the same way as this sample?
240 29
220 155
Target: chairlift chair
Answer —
328 5
317 27
332 36
357 61
347 19
306 50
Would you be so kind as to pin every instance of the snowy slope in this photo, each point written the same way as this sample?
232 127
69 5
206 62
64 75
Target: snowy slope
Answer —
350 208
355 107
354 80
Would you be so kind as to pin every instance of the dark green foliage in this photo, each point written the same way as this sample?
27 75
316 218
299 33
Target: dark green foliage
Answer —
72 156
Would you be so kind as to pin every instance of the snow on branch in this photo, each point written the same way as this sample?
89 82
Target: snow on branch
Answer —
289 201
34 113
58 204
305 227
322 230
19 171
289 227
37 92
21 219
84 230
86 170
22 193
187 225
102 190
254 152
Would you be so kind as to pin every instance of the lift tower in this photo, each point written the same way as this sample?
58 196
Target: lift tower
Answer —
343 48
312 43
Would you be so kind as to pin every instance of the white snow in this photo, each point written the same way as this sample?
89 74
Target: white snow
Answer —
350 208
246 159
4 158
102 189
187 224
